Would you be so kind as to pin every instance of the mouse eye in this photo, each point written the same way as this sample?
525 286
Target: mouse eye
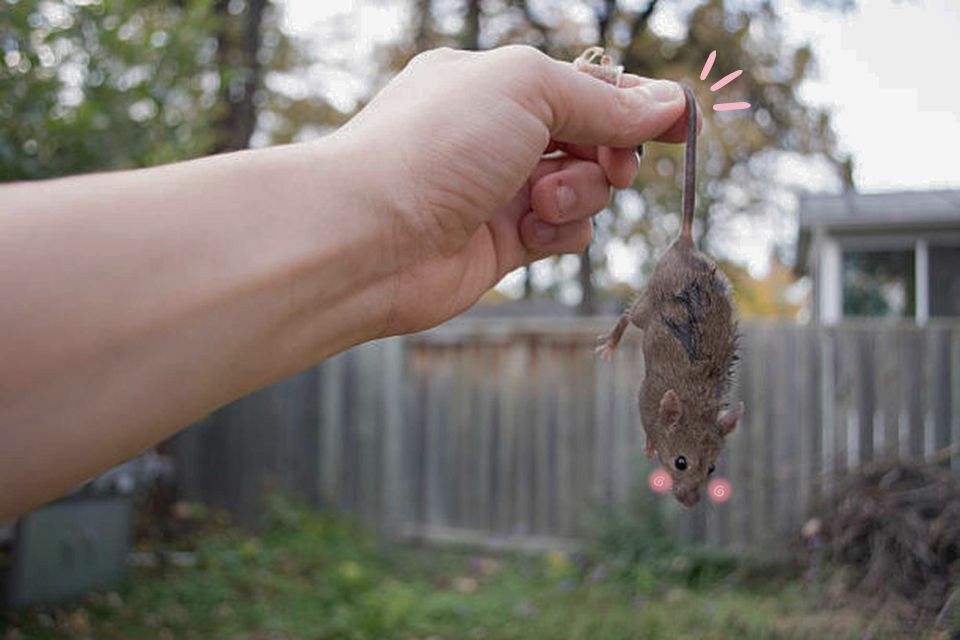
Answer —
680 463
711 468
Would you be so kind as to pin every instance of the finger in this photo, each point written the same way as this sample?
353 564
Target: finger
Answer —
582 151
505 234
678 131
578 190
620 165
547 166
543 239
581 109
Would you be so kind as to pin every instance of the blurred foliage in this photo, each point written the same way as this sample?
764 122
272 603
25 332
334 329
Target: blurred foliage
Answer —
739 152
766 297
104 85
639 550
89 85
310 576
637 532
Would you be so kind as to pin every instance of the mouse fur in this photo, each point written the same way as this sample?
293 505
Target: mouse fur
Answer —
690 346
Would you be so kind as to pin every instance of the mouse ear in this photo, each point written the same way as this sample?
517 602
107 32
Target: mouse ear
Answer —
727 420
670 408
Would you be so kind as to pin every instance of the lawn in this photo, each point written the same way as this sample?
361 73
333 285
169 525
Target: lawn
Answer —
307 576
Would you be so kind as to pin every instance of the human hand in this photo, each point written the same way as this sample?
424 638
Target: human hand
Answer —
454 147
240 269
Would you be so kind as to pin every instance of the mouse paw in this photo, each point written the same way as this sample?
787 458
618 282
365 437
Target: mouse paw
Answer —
605 350
606 345
648 449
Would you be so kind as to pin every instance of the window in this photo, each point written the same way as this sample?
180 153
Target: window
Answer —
879 283
944 281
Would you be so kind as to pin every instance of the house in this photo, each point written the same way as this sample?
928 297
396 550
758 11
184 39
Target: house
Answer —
894 255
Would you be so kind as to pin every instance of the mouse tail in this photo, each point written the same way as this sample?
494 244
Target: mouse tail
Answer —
689 165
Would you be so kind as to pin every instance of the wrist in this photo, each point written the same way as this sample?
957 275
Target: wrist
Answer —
340 245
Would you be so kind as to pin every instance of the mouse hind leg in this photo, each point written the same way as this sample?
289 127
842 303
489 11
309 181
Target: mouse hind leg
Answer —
636 313
607 344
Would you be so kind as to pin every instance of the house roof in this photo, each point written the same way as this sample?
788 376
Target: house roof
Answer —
892 209
906 211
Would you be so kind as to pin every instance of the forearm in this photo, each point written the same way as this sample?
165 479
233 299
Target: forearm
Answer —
135 303
132 304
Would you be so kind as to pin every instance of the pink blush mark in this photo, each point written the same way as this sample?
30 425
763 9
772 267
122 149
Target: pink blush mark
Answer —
719 490
708 64
725 80
731 106
660 481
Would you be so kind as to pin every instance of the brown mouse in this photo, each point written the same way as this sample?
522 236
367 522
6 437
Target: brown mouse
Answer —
689 347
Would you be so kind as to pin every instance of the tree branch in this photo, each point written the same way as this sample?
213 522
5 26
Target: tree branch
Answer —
421 41
604 17
238 55
637 29
642 19
470 38
538 25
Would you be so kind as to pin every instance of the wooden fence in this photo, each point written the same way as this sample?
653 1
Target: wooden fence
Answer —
512 428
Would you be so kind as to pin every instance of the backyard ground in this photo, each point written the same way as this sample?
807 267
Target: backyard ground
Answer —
307 576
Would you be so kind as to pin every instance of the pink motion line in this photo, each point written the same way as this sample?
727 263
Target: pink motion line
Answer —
708 64
725 80
731 106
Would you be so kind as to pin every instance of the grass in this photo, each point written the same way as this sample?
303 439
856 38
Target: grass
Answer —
311 577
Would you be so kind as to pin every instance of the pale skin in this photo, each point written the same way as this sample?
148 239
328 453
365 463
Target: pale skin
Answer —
135 303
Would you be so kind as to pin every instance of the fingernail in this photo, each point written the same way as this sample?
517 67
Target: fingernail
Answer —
565 198
544 233
663 90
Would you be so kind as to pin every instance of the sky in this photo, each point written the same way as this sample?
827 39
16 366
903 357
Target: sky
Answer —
886 70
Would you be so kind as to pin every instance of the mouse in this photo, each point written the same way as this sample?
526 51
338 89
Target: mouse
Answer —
690 343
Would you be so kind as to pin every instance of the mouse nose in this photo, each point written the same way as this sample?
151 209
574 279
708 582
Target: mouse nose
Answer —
687 497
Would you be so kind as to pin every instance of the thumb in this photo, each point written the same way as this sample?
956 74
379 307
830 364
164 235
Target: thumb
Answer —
585 110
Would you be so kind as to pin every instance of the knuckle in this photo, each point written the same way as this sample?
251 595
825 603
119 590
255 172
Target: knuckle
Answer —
445 53
595 191
432 56
522 55
421 58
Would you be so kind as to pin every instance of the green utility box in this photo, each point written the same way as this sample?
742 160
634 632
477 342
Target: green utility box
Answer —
68 547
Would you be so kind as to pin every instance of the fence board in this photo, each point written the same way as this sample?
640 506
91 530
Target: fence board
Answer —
865 399
567 446
514 428
741 447
955 399
938 385
914 362
506 435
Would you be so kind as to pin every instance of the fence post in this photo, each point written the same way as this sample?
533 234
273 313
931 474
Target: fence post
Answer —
330 416
393 380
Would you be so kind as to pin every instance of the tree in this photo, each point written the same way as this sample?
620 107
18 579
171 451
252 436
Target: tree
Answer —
766 297
104 85
240 25
113 84
738 151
